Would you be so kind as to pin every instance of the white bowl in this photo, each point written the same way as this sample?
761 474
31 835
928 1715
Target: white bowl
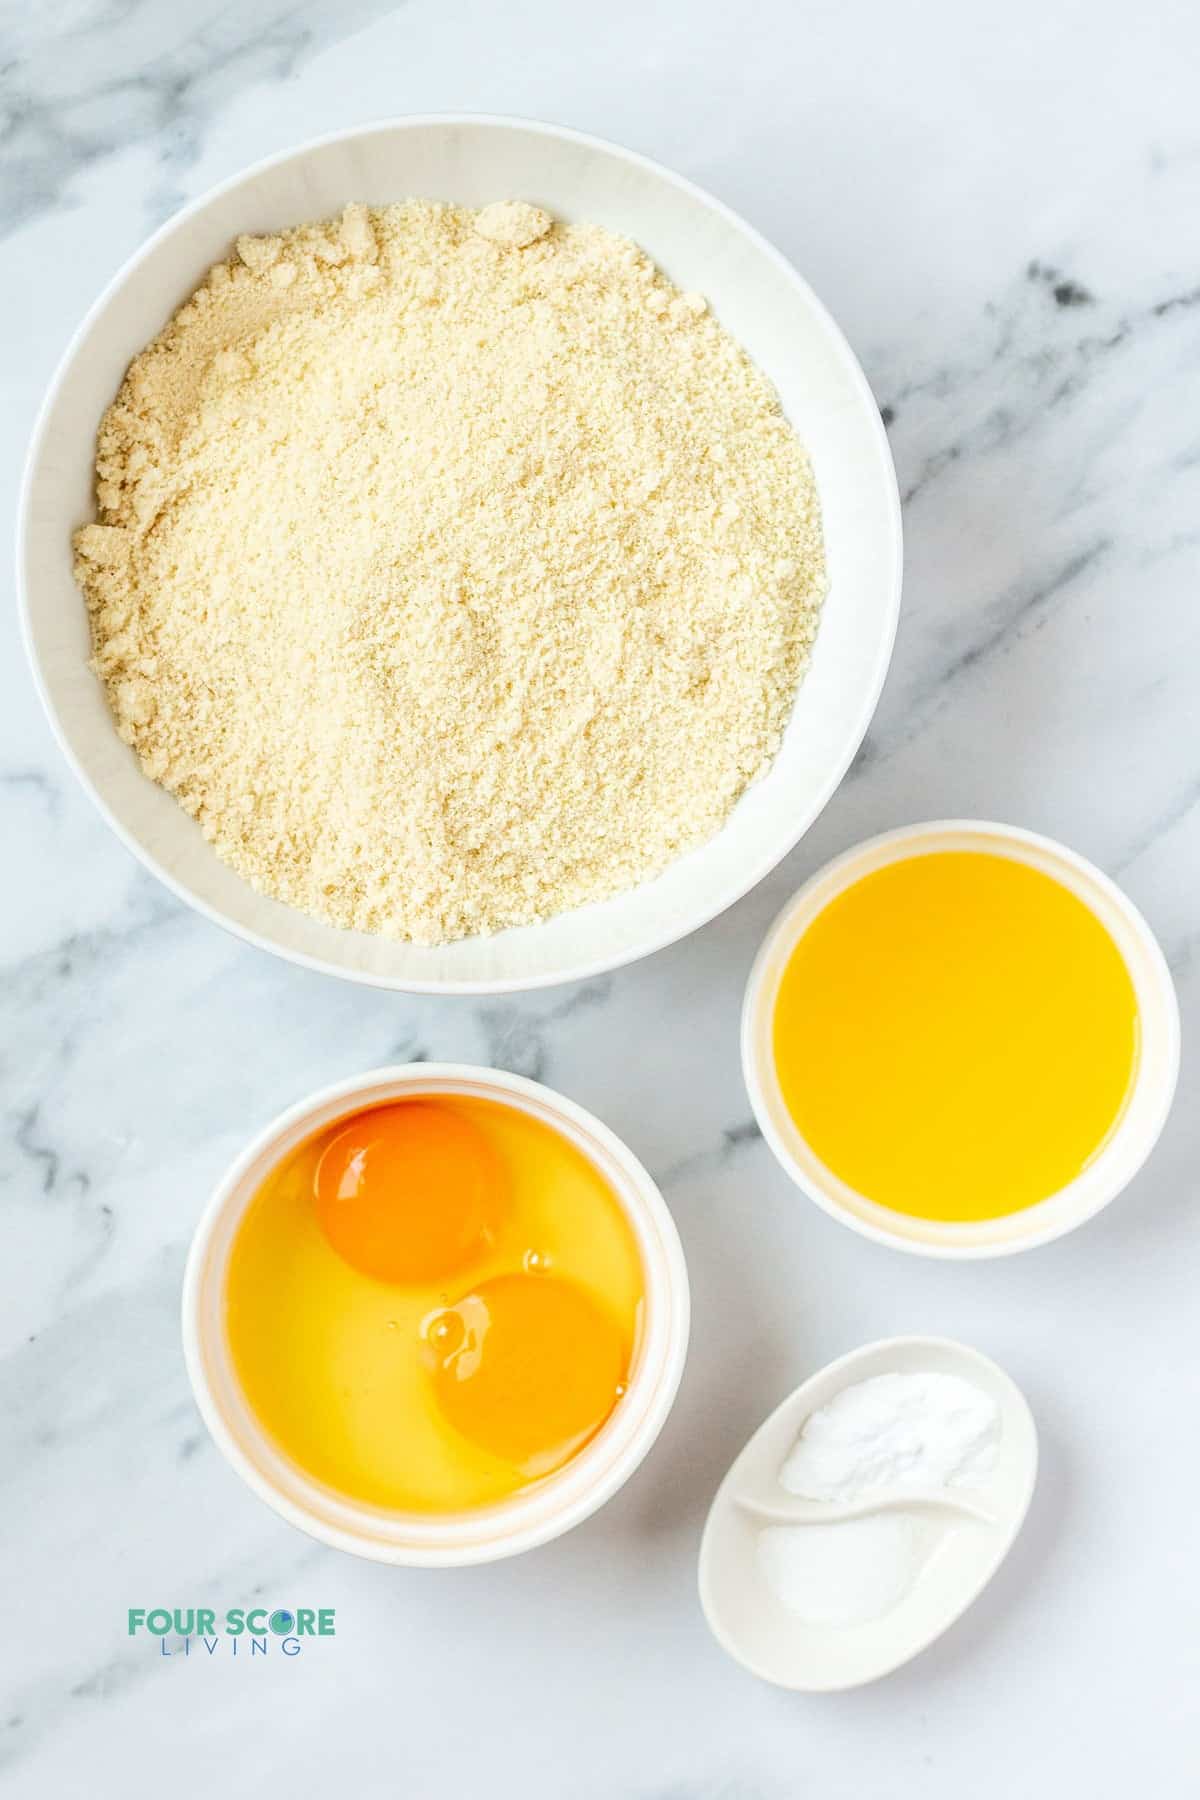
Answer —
536 1514
976 1531
1146 1109
700 244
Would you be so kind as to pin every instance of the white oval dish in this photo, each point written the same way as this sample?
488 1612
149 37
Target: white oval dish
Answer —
536 1514
701 244
974 1534
1135 1133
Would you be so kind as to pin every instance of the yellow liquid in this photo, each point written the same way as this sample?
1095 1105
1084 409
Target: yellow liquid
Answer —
347 1372
956 1036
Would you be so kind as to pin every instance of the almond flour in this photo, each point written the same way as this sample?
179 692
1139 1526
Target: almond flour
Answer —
451 569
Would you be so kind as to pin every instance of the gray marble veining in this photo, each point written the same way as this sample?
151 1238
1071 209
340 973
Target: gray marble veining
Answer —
83 83
1002 214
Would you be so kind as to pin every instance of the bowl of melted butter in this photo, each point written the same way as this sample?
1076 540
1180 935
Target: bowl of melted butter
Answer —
961 1039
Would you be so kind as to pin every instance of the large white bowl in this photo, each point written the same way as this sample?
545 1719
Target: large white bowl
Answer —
700 244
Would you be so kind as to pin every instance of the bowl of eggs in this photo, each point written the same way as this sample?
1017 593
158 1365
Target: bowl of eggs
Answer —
435 1315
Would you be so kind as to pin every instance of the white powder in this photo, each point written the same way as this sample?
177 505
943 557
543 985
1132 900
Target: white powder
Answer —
920 1432
923 1430
844 1574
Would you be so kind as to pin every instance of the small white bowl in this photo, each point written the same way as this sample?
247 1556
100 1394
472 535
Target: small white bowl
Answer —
538 1513
699 243
1146 1109
976 1531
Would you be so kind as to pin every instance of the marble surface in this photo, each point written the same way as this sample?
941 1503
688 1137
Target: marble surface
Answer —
1000 207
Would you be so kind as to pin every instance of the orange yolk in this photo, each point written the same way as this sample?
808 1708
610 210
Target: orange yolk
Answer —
409 1192
528 1367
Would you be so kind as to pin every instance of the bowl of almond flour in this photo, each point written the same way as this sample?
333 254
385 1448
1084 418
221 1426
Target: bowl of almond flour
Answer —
460 555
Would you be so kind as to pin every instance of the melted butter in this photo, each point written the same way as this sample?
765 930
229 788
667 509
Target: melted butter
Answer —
956 1035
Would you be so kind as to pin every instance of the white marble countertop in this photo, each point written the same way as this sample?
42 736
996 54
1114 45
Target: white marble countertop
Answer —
1000 206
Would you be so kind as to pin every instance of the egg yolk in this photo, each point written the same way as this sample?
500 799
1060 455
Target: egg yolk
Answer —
409 1192
528 1367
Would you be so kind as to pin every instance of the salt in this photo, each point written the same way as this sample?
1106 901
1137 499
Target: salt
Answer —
847 1573
919 1432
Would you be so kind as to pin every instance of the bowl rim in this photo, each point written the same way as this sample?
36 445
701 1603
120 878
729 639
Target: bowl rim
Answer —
1135 1132
597 964
534 1515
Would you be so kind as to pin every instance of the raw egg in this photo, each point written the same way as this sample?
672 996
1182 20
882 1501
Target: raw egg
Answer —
410 1192
433 1303
527 1366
